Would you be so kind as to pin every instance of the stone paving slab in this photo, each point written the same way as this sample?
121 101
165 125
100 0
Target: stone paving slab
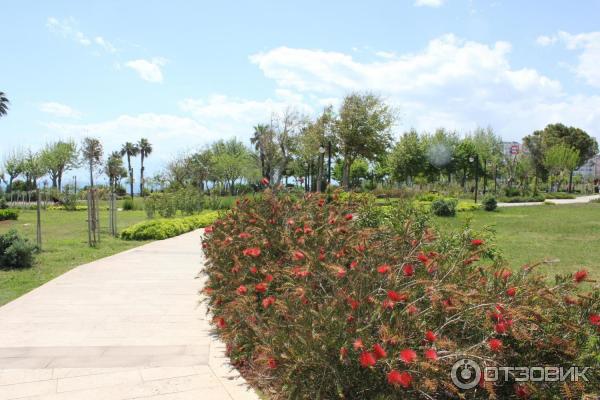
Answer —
129 326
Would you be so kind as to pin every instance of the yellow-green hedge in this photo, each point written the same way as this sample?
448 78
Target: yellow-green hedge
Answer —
164 228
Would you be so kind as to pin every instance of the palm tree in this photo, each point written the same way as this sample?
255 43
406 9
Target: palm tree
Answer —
145 149
258 140
91 151
130 150
3 104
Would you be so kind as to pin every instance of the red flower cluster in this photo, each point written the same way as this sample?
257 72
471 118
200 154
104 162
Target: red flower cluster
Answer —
252 252
397 378
580 276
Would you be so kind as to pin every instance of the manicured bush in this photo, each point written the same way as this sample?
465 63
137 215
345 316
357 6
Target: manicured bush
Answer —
313 305
3 204
444 207
529 199
559 195
8 213
128 204
489 203
165 228
16 251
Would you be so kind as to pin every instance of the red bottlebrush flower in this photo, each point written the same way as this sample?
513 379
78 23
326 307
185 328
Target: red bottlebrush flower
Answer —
522 392
331 221
253 270
511 291
500 327
298 230
209 229
431 354
379 351
340 254
264 181
408 270
353 264
321 255
350 319
348 217
341 272
244 235
241 290
298 255
290 222
252 252
396 378
495 344
367 359
268 301
412 309
388 304
352 303
343 352
220 322
260 287
580 276
477 242
358 344
383 269
408 355
300 272
430 336
272 363
268 278
414 243
595 319
422 257
360 248
308 230
395 296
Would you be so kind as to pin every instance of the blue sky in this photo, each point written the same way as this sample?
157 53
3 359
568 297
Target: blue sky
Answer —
184 74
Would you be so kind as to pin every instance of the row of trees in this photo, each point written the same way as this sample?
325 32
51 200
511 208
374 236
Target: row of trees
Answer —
359 137
57 158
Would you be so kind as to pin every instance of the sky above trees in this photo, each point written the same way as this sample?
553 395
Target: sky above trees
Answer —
184 75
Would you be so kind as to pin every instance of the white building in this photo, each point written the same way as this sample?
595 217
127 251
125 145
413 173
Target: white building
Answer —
591 168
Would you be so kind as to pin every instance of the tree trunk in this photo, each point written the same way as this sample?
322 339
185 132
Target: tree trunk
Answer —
91 175
484 176
320 174
59 179
571 182
142 174
346 172
130 176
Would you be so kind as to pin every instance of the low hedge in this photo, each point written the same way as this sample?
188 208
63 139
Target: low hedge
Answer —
313 304
164 228
8 213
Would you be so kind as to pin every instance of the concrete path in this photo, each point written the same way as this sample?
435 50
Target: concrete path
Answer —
577 200
128 326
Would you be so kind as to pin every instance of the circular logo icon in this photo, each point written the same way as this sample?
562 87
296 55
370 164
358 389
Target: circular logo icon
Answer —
466 374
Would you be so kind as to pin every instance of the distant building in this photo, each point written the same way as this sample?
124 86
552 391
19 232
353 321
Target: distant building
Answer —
511 149
591 168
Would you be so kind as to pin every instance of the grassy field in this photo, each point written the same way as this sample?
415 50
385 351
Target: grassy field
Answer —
568 234
65 246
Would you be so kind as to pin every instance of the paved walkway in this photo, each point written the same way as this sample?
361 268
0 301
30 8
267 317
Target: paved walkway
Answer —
127 326
577 200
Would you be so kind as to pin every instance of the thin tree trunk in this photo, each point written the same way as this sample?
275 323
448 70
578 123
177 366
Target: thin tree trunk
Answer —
130 176
346 172
142 174
91 175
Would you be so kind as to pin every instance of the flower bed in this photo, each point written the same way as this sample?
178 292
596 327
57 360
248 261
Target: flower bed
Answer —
312 303
9 214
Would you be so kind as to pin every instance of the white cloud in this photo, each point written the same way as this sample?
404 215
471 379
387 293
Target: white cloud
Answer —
429 3
148 70
589 58
452 82
59 110
545 40
68 29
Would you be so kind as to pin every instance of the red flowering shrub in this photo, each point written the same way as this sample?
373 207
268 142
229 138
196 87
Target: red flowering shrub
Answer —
314 303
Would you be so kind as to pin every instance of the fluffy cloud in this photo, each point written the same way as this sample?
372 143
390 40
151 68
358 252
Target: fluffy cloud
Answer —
59 110
148 70
452 82
67 28
589 58
429 3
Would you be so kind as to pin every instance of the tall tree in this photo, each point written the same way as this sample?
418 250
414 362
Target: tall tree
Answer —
408 157
539 142
130 150
13 165
363 130
91 152
233 161
262 140
58 158
114 169
488 146
33 168
559 160
145 149
3 104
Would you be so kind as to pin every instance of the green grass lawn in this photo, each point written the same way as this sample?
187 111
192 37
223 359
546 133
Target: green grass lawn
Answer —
64 242
569 234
